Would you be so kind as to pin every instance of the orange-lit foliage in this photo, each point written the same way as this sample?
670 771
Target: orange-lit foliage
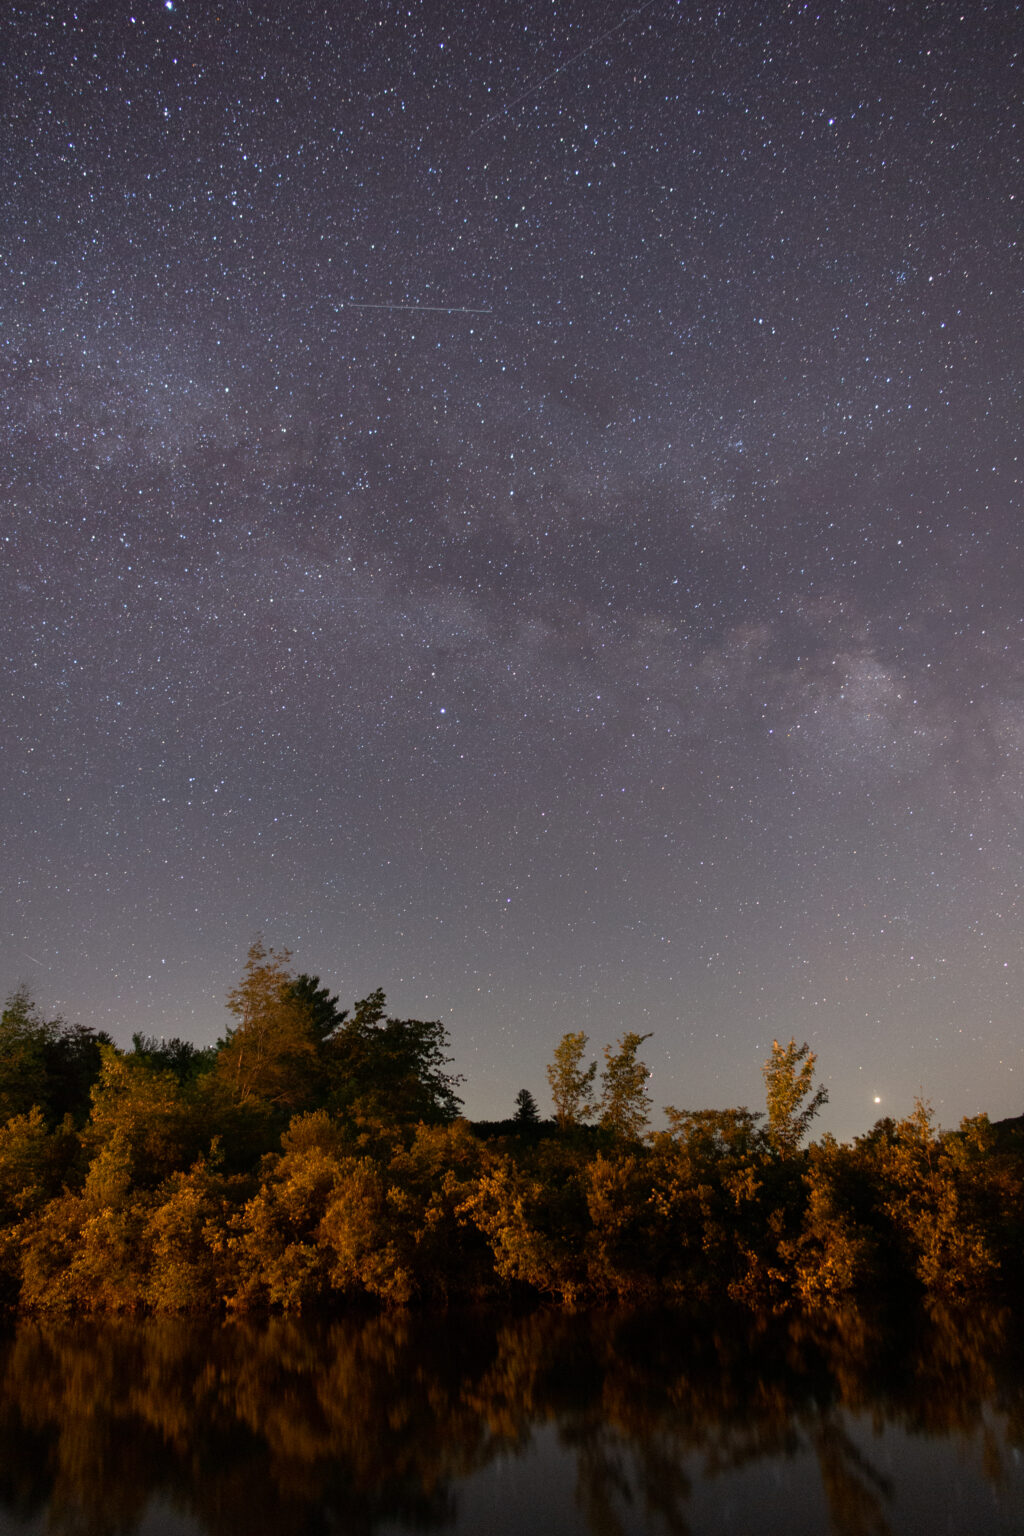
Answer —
314 1157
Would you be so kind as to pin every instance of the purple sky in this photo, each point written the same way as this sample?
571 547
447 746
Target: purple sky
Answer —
645 652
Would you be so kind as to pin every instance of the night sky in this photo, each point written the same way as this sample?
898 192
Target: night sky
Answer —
520 504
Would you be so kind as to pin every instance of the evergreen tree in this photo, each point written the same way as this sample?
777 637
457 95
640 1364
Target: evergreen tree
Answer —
527 1112
324 1014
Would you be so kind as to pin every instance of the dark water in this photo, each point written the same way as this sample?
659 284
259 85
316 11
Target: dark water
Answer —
599 1422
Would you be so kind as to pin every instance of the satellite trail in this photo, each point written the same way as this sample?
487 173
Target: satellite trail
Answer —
441 309
630 16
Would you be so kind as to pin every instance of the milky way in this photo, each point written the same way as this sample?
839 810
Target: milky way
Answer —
521 505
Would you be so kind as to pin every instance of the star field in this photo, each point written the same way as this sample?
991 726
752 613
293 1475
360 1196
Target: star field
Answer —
622 631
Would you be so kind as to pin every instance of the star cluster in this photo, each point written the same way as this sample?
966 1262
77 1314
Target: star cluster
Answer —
521 503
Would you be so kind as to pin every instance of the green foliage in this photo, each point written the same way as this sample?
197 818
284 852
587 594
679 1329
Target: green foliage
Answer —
24 1039
34 1162
572 1084
187 1062
142 1110
625 1103
45 1062
792 1105
321 1008
73 1064
382 1068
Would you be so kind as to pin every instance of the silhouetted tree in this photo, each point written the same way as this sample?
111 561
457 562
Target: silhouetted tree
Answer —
46 1062
24 1036
527 1112
186 1061
322 1009
392 1069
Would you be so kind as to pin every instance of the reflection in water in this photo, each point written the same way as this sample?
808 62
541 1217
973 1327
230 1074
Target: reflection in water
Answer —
388 1422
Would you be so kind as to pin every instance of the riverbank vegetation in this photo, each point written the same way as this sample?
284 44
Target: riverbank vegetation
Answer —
317 1156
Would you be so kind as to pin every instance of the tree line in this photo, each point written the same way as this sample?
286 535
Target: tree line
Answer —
317 1156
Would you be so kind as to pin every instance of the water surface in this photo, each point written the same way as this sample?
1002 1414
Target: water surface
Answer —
598 1422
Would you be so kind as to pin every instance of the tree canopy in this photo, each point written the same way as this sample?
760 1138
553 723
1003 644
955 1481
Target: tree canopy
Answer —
46 1062
793 1101
625 1103
316 1155
572 1084
392 1067
269 1054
